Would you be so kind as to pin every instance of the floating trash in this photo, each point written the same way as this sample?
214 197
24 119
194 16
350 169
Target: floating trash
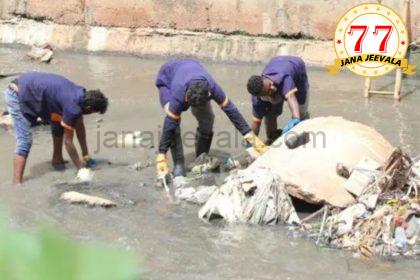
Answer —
80 198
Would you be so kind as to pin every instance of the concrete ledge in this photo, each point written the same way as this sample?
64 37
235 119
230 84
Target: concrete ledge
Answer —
163 42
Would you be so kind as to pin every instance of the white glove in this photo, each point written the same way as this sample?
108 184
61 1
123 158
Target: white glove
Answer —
85 175
252 153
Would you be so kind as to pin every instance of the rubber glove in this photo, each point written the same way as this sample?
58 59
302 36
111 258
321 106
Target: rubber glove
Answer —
256 143
84 175
292 123
162 168
89 162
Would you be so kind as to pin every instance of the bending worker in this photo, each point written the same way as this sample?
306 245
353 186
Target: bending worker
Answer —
183 83
58 101
284 78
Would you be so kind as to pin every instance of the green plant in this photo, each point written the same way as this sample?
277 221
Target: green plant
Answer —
46 255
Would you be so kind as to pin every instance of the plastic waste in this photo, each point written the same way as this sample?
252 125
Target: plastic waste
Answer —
205 164
42 54
413 229
180 182
361 176
198 195
85 175
255 196
416 169
6 122
400 238
346 217
80 198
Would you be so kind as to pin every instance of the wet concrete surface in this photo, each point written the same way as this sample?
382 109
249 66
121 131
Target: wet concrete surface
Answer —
171 241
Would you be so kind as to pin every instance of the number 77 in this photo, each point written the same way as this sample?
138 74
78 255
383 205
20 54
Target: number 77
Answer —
364 29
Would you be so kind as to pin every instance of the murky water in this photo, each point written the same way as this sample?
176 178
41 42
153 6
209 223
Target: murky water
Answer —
171 240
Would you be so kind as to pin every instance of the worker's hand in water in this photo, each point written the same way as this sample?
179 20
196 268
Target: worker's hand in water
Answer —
162 168
256 143
84 175
89 162
292 123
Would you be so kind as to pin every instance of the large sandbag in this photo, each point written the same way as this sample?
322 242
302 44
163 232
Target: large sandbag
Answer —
309 171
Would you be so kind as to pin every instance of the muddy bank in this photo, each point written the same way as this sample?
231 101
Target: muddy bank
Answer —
158 42
164 42
171 240
305 19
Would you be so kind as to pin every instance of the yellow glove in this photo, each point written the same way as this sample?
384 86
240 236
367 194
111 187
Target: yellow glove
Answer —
162 168
256 143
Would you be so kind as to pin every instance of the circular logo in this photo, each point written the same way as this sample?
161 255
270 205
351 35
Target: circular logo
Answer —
371 40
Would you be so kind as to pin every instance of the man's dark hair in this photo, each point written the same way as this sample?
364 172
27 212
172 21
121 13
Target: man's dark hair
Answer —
255 85
198 92
96 100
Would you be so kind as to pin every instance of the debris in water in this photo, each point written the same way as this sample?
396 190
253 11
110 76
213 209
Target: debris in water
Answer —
241 162
180 182
141 165
198 195
42 54
255 196
361 176
371 201
385 220
309 171
167 183
205 164
342 170
6 122
85 175
346 218
80 198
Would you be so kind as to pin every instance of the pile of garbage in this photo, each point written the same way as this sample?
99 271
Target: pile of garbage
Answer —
255 197
385 219
368 190
198 187
205 163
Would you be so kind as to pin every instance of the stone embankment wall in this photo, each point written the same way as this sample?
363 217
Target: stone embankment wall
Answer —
227 30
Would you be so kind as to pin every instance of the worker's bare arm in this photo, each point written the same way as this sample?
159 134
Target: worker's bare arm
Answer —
81 135
71 149
255 127
293 104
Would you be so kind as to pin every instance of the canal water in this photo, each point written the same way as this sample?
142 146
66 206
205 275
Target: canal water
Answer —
170 239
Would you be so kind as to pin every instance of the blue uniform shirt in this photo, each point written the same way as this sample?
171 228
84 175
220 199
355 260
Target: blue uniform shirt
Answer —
288 73
173 81
175 75
50 97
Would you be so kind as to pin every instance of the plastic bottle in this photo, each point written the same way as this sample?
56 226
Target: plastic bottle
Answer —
400 238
